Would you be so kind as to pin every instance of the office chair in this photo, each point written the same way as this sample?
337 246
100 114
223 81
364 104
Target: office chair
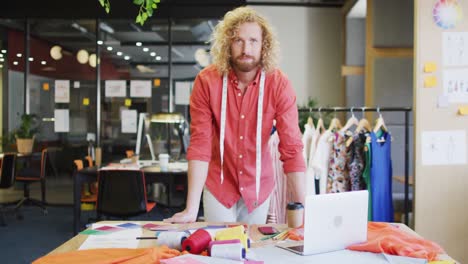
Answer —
122 194
8 194
31 175
87 197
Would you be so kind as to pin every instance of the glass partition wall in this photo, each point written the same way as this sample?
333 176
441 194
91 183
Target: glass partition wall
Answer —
89 79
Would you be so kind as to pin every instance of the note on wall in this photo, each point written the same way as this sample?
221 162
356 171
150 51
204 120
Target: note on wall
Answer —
62 91
455 48
456 85
116 88
129 121
140 89
61 120
430 81
446 147
182 93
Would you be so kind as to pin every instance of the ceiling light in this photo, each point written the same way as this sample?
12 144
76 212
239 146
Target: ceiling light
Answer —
15 63
127 57
3 51
19 55
92 60
109 48
202 57
1 55
145 49
138 44
43 62
82 56
2 59
152 54
1 65
158 58
105 27
31 59
100 42
119 53
56 52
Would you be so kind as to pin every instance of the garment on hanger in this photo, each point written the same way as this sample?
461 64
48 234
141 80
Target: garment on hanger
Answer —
338 176
312 182
356 161
381 177
321 159
307 140
278 201
366 174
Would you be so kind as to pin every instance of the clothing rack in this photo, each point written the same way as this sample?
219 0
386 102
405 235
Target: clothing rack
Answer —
406 111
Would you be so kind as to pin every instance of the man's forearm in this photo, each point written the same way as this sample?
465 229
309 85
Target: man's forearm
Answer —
296 185
197 173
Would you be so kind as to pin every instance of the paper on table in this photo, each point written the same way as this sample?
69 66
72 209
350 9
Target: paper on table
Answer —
61 120
190 258
120 239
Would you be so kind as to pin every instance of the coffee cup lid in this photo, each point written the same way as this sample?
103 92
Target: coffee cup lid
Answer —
294 206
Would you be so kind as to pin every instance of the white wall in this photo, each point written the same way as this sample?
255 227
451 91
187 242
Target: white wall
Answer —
311 52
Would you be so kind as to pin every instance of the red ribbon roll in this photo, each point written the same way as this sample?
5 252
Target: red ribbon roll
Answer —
197 242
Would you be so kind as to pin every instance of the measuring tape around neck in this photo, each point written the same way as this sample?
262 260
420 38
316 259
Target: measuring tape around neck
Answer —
258 145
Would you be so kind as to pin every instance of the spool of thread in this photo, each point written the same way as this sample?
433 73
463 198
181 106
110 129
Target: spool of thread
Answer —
197 242
228 251
221 242
172 239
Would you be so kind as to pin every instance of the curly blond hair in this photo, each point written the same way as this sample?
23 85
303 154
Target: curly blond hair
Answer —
226 30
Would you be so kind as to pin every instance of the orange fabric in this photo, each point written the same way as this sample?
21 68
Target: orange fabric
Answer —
296 233
386 238
111 256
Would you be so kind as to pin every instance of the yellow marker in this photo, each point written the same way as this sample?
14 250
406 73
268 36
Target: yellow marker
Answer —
128 102
430 67
45 86
156 82
85 101
430 81
463 110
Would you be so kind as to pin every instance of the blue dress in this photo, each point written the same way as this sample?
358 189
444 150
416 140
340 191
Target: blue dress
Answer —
381 178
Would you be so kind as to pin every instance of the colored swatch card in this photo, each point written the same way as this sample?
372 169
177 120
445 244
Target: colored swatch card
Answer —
108 228
214 226
129 225
93 232
150 225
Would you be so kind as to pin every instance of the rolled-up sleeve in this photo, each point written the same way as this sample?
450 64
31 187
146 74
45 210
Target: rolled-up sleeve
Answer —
201 122
290 145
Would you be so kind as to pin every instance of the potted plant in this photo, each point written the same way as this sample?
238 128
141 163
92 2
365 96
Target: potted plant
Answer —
26 133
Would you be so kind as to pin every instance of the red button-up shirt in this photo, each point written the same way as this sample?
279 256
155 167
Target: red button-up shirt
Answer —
279 103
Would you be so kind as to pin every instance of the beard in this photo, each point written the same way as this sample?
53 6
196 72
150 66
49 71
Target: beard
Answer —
245 66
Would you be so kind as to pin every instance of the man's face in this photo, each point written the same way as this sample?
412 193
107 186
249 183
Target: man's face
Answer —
246 47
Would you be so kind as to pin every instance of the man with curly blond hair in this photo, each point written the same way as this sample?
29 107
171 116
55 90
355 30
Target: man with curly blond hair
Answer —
232 106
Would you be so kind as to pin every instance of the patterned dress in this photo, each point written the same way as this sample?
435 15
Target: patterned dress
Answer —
338 176
356 162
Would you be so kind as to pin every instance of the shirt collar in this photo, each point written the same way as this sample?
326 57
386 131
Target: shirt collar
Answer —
233 77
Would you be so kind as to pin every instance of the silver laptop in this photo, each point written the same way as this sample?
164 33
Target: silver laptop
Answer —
333 222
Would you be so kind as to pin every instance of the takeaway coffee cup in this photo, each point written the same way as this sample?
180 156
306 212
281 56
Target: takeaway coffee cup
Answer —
295 214
164 161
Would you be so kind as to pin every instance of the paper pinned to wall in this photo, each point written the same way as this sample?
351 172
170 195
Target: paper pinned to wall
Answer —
455 48
62 91
116 88
140 89
456 85
76 84
446 147
182 93
61 120
129 121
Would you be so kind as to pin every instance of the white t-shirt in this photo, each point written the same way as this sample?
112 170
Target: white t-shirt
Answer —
321 160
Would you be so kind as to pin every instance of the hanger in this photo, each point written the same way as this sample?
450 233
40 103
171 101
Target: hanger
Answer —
380 123
352 121
335 123
363 123
310 121
320 126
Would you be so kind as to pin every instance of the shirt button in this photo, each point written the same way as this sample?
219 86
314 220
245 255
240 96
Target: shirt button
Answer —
239 94
241 137
240 172
242 188
240 156
242 116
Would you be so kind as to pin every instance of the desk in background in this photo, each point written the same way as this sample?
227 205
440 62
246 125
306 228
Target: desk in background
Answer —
152 175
